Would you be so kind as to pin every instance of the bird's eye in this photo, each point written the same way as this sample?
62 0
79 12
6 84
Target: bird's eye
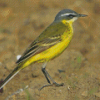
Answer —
71 16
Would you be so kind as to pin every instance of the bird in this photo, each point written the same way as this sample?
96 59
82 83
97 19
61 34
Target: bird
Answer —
48 45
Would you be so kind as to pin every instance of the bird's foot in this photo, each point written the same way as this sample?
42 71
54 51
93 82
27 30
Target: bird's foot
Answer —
55 84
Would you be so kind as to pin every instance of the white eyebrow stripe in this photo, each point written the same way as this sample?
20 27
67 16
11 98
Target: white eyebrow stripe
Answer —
68 14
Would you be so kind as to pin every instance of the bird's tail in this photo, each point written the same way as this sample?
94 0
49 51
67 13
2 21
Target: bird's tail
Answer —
10 76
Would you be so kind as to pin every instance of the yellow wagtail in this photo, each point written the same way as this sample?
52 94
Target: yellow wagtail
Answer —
49 44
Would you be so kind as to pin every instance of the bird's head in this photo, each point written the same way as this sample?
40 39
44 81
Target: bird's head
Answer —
68 16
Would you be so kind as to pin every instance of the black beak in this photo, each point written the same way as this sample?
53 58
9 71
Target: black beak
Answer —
81 15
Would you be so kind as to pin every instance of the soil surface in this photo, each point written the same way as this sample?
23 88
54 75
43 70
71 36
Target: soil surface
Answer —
78 67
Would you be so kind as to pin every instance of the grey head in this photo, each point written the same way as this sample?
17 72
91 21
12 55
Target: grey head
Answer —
68 14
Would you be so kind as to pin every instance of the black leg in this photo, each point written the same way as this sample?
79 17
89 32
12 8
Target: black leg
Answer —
49 77
47 74
44 72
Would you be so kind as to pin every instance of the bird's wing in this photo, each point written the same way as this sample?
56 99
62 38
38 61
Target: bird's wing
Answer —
50 36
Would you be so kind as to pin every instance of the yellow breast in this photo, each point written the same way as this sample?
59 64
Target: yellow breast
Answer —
54 50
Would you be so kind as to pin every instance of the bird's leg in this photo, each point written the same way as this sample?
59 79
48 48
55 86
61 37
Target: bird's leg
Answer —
49 77
45 72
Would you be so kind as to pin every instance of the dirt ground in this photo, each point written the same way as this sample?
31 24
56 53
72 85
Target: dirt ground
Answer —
78 67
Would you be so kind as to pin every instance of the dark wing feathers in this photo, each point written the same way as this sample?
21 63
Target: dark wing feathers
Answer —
49 37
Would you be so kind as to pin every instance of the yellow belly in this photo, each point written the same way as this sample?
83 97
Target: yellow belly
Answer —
54 50
49 53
